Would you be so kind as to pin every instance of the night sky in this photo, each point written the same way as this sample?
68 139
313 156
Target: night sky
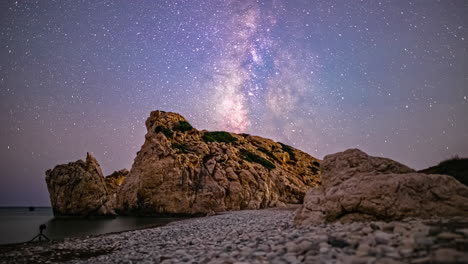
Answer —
388 77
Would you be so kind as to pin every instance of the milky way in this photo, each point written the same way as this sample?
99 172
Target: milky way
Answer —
388 77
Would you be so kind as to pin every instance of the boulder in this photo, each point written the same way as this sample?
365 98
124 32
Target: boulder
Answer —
79 189
181 170
359 187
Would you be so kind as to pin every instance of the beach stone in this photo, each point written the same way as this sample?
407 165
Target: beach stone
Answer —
448 236
449 255
406 252
382 237
359 187
363 249
259 236
464 231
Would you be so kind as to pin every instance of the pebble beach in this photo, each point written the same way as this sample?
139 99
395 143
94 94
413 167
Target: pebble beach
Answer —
260 236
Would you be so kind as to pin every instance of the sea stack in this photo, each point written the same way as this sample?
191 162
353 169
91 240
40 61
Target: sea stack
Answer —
79 189
183 171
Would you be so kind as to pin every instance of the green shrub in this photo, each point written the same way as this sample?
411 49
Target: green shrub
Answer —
218 136
183 126
166 131
268 153
252 157
289 150
314 170
181 147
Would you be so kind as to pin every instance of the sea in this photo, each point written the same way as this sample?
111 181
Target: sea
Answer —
21 224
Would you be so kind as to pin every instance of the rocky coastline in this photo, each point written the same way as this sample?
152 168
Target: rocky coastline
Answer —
261 236
266 203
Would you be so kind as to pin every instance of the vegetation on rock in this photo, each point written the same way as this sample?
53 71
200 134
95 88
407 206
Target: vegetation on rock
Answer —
166 131
218 136
181 147
289 150
183 126
268 153
252 157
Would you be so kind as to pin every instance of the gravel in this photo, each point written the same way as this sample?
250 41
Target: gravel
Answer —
260 236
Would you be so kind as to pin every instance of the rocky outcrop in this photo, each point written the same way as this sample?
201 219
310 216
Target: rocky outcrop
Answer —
180 170
360 187
455 167
115 180
80 189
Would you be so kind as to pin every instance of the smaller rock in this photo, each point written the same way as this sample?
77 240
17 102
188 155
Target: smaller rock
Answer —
448 236
406 252
449 255
424 241
337 242
324 248
464 231
382 237
423 260
363 249
291 247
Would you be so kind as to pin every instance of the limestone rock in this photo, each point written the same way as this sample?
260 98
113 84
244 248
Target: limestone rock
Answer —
180 170
360 187
115 180
345 165
79 189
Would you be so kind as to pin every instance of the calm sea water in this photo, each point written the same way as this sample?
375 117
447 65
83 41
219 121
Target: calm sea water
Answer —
18 224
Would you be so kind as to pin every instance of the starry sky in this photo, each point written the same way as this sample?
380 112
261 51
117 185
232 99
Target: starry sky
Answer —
388 77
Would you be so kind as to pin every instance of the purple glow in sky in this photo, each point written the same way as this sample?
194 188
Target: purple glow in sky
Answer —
388 77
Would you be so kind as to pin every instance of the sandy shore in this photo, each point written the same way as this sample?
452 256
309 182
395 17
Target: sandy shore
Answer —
262 236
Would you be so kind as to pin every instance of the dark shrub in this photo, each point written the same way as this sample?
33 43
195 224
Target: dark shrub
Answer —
166 131
316 163
181 147
268 153
183 126
314 170
289 150
252 157
218 136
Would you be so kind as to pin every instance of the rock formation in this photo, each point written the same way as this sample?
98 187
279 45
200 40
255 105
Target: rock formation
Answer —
180 170
115 180
360 187
80 189
455 167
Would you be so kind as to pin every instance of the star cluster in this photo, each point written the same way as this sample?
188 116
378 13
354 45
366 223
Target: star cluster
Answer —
388 77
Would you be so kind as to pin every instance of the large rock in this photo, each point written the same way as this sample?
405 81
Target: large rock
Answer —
180 170
360 187
79 189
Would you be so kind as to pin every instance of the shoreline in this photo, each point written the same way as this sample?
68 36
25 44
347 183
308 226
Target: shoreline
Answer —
260 236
